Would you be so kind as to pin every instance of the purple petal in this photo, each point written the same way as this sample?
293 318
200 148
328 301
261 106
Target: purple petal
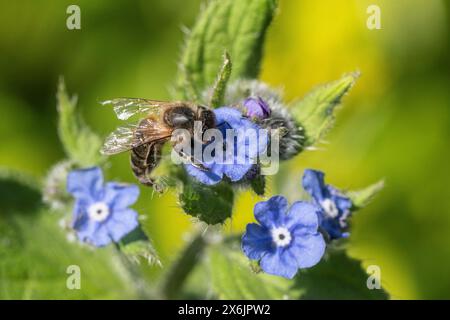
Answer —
86 183
256 241
256 107
308 249
120 196
280 263
271 212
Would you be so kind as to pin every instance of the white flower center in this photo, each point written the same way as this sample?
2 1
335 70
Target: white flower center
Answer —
330 208
98 211
281 236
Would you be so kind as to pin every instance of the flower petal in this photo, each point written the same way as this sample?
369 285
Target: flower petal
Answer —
280 263
333 228
236 171
256 241
313 183
85 183
230 116
121 223
303 215
210 177
343 203
120 196
308 249
94 233
272 212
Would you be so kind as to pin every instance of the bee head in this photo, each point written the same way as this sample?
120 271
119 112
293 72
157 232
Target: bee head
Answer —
180 117
207 118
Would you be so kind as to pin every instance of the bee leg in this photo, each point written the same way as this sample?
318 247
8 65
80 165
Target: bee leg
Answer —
191 160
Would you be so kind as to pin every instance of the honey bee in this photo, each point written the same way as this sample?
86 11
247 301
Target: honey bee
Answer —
146 138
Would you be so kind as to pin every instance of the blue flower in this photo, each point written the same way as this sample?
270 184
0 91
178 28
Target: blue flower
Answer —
287 239
335 206
101 214
256 108
229 119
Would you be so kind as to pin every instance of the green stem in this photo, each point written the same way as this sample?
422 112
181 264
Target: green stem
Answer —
180 269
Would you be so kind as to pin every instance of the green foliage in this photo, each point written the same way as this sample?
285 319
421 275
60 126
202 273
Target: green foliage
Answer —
258 185
337 276
233 278
18 192
35 254
80 143
221 82
361 198
180 269
136 246
315 112
237 27
211 204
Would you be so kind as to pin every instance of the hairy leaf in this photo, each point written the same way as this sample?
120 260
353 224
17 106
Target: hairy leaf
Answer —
337 276
210 204
235 26
315 112
80 143
233 278
361 198
221 83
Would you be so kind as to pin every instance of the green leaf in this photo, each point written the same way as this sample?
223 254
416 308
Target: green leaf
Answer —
81 144
221 83
258 184
315 112
18 192
136 246
233 278
210 204
235 26
337 276
361 198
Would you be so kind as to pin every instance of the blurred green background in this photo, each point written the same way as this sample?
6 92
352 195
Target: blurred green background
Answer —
395 123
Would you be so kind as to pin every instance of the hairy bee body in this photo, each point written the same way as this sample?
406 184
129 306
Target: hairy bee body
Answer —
144 158
146 139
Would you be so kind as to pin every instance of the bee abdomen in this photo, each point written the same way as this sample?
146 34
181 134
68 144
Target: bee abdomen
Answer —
143 160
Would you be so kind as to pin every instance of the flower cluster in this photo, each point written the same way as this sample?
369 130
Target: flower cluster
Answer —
288 239
232 120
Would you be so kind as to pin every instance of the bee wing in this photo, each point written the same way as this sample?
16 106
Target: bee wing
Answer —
128 107
133 135
120 140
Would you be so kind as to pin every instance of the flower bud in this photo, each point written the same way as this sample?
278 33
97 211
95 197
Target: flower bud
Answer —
256 108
